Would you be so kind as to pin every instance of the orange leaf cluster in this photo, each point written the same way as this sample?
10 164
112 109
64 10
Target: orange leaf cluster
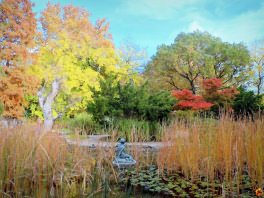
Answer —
17 31
75 23
14 85
259 192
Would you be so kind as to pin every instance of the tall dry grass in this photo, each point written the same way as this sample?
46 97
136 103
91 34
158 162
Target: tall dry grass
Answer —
223 150
39 164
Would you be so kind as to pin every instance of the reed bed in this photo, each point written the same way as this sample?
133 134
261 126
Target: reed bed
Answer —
225 150
37 164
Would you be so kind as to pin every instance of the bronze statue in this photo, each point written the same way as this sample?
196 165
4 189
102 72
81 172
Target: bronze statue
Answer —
122 159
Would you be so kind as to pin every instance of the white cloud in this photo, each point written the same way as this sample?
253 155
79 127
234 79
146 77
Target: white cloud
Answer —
245 27
195 26
157 9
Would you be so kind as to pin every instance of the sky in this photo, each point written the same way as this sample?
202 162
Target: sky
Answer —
150 23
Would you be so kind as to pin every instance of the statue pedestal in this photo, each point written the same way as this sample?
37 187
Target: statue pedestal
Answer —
124 163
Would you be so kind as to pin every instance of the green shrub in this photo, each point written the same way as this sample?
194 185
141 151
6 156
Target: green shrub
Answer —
115 100
184 115
33 110
247 103
105 104
83 123
138 130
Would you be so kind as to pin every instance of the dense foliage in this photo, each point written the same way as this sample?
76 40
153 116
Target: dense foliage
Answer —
17 31
246 103
15 84
115 99
74 50
187 100
214 96
195 56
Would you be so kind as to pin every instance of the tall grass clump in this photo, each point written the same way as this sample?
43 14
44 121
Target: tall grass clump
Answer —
82 123
226 151
138 130
39 164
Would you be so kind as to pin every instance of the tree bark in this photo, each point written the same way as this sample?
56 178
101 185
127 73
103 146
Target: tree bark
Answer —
46 102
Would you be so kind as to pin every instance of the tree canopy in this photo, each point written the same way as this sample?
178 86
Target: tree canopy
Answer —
17 32
195 56
76 51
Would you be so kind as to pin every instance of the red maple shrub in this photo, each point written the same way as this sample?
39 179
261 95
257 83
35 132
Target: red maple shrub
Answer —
214 92
213 95
187 100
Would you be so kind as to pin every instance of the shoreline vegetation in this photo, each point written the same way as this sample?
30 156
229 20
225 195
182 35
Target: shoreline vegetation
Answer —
206 156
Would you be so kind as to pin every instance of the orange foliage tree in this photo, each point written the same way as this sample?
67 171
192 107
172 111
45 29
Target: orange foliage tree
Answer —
17 31
14 85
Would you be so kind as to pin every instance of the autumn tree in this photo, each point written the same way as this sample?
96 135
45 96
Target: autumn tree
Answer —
17 32
73 54
14 85
195 56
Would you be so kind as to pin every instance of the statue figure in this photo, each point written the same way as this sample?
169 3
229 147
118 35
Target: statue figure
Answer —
122 159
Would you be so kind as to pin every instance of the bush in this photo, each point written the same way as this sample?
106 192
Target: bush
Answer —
138 130
158 107
247 103
105 101
83 123
115 100
185 115
32 110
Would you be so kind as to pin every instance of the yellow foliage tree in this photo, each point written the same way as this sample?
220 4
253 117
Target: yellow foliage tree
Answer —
74 53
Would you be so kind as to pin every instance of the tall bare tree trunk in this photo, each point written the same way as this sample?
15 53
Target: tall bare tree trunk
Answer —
46 102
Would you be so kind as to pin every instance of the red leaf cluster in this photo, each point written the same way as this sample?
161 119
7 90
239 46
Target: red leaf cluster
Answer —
185 94
187 100
214 92
212 84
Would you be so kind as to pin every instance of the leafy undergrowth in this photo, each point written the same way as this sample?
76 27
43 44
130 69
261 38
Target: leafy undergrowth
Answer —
175 184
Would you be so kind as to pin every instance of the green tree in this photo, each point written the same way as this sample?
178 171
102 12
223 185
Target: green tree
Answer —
246 103
116 100
195 56
105 104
